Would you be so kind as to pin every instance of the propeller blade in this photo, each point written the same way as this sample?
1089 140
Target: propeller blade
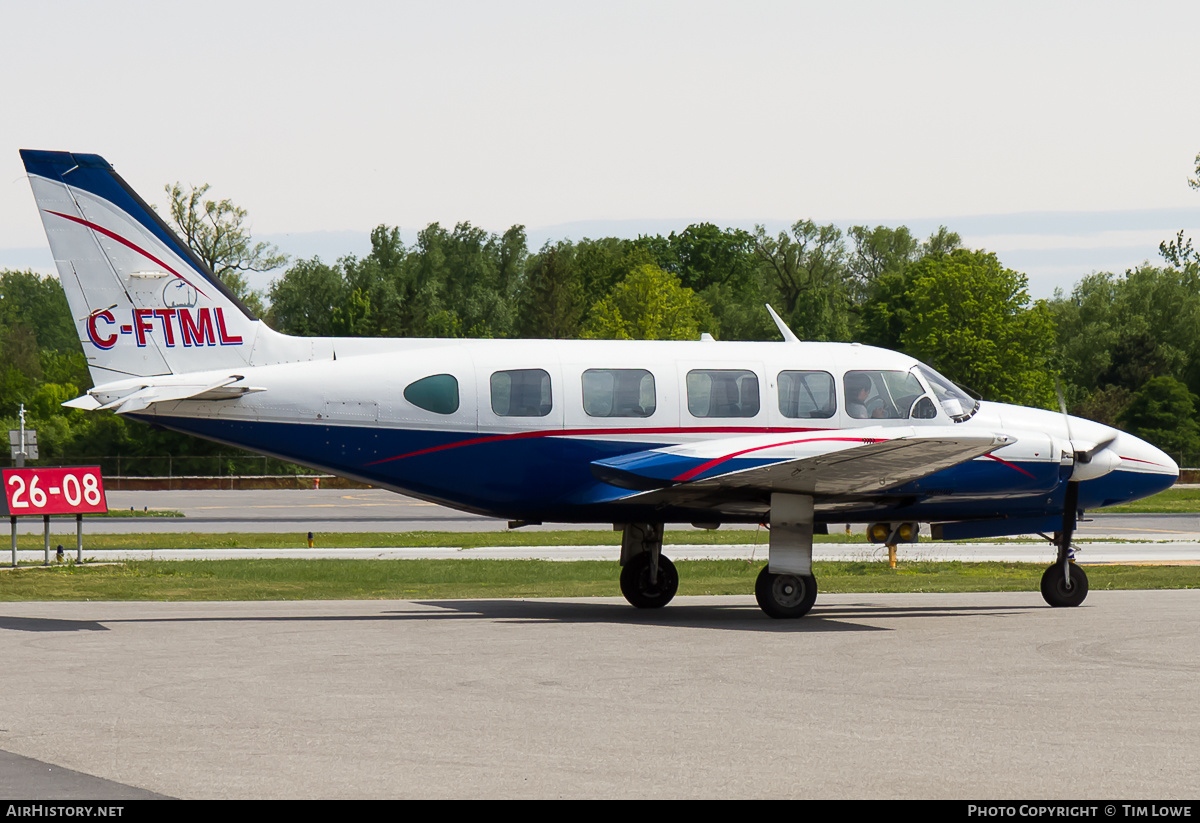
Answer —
1086 456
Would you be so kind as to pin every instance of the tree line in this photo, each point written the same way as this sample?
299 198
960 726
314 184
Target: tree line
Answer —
1124 347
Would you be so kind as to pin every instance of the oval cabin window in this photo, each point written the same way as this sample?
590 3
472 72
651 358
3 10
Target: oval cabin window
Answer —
437 393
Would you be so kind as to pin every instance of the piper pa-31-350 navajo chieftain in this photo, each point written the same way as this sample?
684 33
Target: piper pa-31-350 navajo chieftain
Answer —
636 433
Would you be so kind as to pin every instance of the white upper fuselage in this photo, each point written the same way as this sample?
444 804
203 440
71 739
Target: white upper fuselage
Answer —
361 386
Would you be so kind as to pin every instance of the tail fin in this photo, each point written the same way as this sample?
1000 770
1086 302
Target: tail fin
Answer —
144 304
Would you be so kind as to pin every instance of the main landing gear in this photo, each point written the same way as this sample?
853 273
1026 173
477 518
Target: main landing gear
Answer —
648 577
648 587
785 595
786 588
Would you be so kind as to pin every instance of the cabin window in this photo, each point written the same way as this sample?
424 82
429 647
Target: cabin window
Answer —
618 393
882 394
722 393
437 393
521 393
807 394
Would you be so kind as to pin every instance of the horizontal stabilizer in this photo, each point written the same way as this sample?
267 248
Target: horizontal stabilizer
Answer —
134 398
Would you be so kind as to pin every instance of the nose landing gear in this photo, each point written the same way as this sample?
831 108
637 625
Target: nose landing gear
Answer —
1067 588
1064 583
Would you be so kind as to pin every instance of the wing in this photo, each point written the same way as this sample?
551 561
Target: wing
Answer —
840 465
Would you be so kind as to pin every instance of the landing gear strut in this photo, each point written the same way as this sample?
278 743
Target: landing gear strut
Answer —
786 588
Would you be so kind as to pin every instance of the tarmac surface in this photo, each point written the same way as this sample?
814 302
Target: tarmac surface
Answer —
871 696
971 696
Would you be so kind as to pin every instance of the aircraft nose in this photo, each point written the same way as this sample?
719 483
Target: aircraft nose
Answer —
1154 467
1136 453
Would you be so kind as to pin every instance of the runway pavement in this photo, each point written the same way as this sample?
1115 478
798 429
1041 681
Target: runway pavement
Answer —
981 696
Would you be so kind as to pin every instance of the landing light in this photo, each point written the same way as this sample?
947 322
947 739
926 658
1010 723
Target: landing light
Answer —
892 533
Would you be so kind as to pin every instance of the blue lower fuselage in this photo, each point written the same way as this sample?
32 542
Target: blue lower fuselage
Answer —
547 476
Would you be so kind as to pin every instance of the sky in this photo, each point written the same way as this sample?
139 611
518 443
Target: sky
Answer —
1059 135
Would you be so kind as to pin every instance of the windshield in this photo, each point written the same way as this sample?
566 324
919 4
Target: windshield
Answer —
956 402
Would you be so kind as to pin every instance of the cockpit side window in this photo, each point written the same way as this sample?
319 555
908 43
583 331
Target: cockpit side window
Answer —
890 395
807 394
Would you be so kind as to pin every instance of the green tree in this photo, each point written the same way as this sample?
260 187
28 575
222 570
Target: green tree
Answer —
1122 330
1179 252
879 251
216 231
36 332
552 300
649 304
602 264
888 256
807 269
303 300
1163 412
972 319
722 267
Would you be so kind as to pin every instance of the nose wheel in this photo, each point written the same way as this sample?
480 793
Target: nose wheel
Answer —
1064 588
785 595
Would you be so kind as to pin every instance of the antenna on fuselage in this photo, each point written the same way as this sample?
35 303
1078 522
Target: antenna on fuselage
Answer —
788 336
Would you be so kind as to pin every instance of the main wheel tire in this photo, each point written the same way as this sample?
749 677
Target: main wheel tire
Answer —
785 595
1055 589
636 586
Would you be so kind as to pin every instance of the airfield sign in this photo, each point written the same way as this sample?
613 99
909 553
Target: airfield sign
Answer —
46 491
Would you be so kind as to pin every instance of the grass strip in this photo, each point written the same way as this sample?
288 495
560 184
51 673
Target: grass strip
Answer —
206 580
377 540
1171 501
440 540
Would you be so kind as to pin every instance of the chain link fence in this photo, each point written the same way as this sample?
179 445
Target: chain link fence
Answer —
218 465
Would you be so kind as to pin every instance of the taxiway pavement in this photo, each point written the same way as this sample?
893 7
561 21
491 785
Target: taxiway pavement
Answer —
977 696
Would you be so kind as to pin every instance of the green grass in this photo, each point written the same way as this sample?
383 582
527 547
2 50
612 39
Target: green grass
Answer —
1172 501
376 540
136 513
199 580
439 540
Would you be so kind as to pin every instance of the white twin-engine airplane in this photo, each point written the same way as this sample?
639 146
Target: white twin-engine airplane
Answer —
637 433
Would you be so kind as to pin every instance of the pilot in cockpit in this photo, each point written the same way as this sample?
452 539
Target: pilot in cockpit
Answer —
858 393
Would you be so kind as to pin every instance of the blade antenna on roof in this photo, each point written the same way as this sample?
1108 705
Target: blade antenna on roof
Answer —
788 336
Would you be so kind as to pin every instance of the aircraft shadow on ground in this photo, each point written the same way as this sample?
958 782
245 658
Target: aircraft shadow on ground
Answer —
840 618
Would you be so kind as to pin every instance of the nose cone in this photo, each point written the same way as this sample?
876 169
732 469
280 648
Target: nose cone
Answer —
1139 456
1139 470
